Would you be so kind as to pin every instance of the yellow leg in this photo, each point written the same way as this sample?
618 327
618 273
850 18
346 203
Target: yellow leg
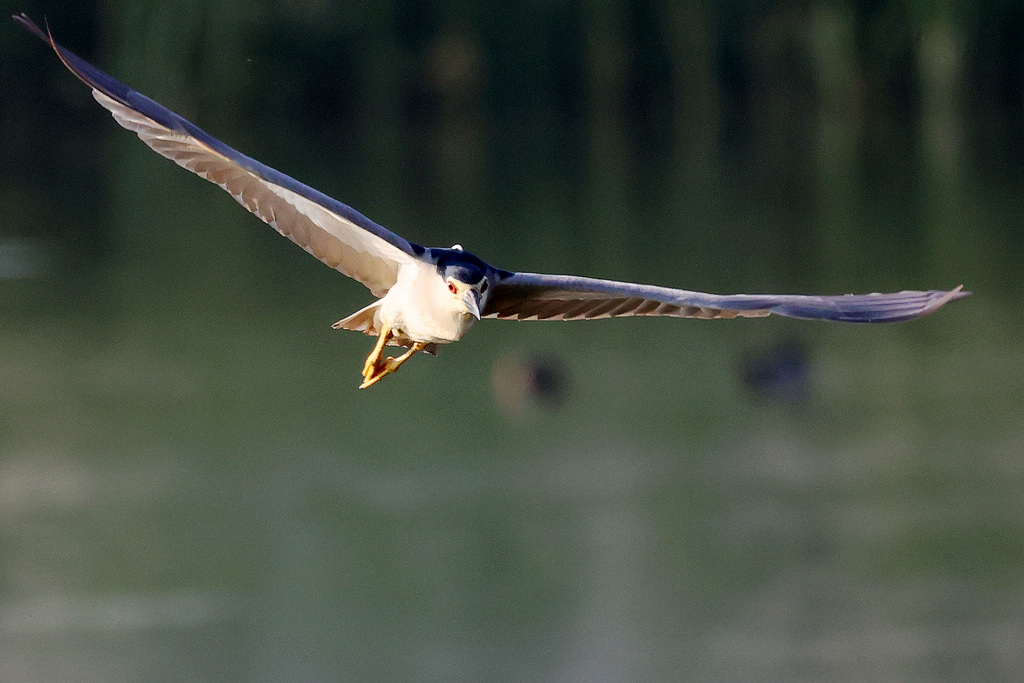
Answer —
389 365
370 366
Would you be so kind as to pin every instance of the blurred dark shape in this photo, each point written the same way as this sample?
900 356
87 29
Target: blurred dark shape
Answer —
519 382
781 372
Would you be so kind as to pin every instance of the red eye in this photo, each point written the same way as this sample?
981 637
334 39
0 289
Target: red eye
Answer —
451 287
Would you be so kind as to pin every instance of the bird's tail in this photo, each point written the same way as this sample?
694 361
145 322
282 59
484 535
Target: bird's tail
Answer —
365 320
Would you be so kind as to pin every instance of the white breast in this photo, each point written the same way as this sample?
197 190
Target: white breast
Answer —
420 307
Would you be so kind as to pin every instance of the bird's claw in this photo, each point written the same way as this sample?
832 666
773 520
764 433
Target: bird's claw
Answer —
371 380
373 373
376 368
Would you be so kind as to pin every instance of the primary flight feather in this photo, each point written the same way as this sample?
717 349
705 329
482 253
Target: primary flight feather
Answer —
431 296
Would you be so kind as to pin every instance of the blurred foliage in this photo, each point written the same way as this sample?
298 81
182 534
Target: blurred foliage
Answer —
455 97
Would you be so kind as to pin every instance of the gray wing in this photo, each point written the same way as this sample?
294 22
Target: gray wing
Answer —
530 296
331 231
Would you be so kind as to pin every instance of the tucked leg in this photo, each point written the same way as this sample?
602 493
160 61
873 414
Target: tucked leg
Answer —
389 365
370 367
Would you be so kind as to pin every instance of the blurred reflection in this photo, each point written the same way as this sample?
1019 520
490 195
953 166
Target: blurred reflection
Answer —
517 382
780 372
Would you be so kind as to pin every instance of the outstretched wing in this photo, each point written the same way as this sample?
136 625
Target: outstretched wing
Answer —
335 233
530 296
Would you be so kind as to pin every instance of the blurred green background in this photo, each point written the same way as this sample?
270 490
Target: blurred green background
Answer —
192 488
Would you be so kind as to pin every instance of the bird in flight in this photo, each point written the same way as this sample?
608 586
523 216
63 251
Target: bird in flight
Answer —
428 296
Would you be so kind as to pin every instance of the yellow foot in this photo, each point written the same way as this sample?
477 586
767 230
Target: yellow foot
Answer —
379 372
375 372
372 364
369 368
370 381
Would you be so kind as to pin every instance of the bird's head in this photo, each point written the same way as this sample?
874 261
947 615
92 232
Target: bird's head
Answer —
466 278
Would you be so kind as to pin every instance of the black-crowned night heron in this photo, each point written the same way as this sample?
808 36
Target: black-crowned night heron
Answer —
430 296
